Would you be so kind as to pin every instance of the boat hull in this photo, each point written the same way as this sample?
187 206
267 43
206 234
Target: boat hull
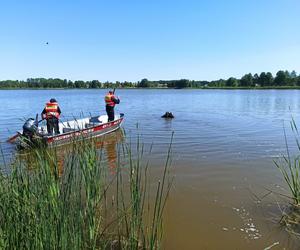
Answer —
70 132
87 133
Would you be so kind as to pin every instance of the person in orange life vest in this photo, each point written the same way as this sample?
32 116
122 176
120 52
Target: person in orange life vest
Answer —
111 100
51 113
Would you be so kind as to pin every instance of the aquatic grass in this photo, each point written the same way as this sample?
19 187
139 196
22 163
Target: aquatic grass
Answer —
141 220
290 169
41 196
59 199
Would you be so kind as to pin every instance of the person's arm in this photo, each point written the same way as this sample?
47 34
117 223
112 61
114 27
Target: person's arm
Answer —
58 110
43 113
116 100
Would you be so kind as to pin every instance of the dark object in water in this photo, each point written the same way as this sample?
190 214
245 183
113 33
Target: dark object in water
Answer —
168 115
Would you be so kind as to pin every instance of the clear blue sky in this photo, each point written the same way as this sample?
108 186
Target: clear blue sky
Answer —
129 40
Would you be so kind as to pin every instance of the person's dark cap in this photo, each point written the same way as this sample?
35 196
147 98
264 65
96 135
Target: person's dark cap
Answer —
110 92
52 100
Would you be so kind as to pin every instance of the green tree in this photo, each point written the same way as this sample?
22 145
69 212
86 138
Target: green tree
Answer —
281 78
183 83
71 85
293 74
108 85
293 78
232 82
79 84
95 84
144 83
170 84
127 84
246 80
269 79
255 80
265 79
298 81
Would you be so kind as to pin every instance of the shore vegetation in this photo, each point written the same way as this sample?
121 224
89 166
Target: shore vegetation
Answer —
264 80
290 169
77 203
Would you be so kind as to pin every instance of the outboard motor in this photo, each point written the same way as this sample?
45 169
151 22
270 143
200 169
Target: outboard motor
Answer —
30 128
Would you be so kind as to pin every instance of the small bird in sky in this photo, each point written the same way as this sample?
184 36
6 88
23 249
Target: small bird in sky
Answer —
47 43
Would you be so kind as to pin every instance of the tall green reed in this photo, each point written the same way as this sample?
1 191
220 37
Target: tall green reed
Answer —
59 200
290 167
141 220
41 209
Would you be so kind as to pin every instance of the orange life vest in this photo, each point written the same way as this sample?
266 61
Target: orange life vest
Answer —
52 110
109 100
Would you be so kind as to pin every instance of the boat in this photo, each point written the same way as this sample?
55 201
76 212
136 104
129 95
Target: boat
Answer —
69 131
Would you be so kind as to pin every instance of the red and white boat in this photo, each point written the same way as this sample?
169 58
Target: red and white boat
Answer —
77 129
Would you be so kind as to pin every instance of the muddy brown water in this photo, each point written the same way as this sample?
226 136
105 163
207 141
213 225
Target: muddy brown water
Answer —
225 142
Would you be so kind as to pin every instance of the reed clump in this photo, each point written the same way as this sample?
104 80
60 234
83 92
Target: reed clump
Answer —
72 202
290 169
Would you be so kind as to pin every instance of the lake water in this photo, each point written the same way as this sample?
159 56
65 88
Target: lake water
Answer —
224 145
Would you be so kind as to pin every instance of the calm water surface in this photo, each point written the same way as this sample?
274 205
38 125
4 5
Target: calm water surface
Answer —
224 145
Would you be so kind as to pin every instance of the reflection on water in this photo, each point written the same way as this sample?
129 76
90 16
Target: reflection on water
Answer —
110 143
107 144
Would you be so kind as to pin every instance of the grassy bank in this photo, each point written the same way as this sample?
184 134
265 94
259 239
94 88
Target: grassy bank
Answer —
46 203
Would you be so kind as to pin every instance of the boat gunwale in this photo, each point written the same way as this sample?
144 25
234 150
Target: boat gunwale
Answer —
82 130
52 140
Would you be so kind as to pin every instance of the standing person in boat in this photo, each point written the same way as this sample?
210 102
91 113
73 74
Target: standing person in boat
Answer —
51 113
111 100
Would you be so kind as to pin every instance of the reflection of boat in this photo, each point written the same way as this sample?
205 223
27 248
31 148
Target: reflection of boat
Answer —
100 143
70 131
108 144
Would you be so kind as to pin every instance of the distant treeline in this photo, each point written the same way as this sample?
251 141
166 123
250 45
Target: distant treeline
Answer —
262 80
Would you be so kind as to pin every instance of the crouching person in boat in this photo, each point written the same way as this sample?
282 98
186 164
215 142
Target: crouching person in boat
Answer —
51 113
111 100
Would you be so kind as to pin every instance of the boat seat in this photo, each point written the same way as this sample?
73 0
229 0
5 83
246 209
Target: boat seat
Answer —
94 119
66 130
92 124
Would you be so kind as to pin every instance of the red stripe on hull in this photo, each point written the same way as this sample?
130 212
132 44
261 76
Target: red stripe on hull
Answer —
82 132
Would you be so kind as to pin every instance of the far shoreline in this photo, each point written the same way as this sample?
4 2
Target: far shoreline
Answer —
188 88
